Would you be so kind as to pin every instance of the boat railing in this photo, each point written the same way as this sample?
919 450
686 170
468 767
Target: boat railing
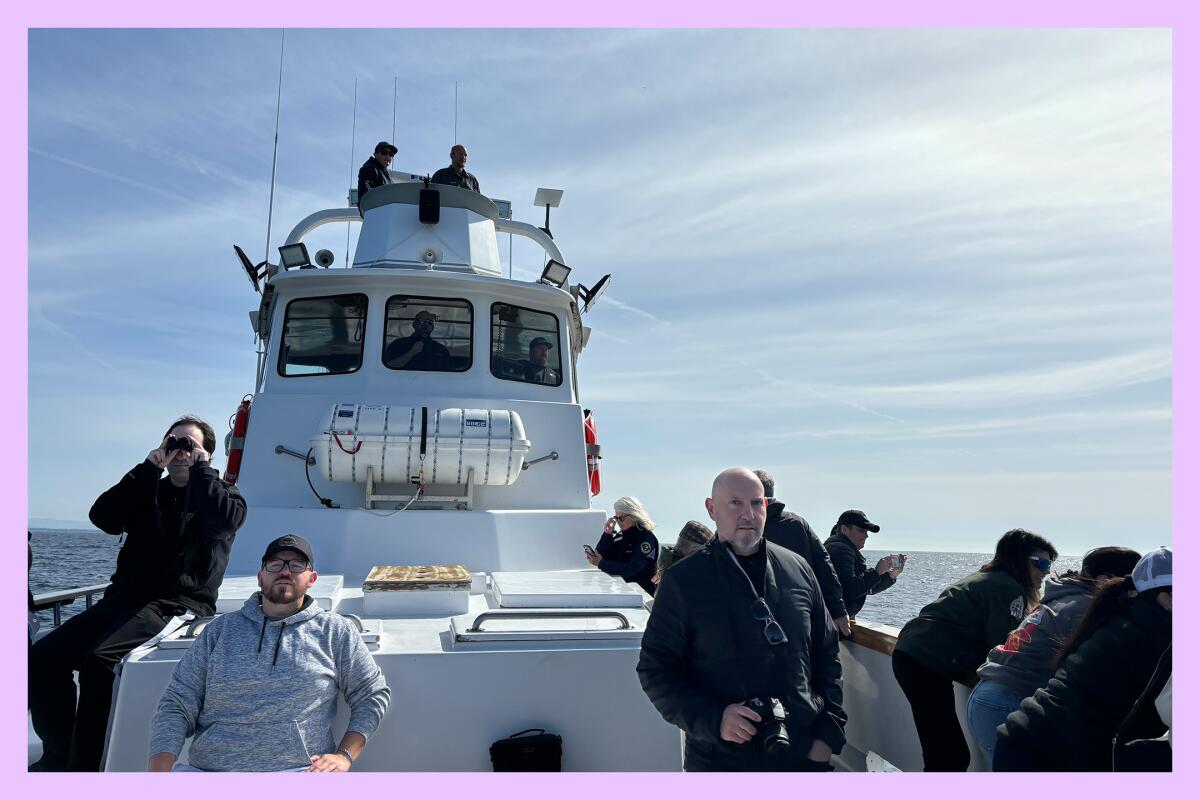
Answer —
65 597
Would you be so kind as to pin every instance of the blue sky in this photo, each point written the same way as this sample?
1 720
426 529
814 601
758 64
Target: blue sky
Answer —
922 273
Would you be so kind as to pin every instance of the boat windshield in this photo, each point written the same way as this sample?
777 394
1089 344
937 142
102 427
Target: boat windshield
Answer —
431 334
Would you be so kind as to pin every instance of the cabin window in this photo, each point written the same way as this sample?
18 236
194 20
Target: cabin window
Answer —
323 335
525 345
429 334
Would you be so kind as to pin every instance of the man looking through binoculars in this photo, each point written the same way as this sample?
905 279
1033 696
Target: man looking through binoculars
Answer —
179 530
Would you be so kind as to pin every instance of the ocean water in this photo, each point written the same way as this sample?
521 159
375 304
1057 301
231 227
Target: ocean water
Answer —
63 559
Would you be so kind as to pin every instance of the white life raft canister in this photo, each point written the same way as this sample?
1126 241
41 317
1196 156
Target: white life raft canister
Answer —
390 440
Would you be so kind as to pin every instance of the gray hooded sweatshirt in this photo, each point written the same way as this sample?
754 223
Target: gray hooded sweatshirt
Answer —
1024 663
261 695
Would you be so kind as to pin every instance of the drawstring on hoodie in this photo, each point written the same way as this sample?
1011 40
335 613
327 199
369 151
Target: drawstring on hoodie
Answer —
282 625
263 633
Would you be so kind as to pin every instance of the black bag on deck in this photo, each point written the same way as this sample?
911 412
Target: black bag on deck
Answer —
539 752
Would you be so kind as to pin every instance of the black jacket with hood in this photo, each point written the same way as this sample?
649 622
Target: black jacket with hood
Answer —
178 538
793 532
856 579
703 650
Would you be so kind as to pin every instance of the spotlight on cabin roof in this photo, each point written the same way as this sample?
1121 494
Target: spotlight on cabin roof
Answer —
555 274
294 255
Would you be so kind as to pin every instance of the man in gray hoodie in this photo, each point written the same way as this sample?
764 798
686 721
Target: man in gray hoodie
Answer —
1024 663
258 689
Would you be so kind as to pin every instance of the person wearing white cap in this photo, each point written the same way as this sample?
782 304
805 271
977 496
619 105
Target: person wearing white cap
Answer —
1112 660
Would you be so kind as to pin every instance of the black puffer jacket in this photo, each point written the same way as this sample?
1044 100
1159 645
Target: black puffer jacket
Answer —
703 650
1069 725
856 580
178 538
793 532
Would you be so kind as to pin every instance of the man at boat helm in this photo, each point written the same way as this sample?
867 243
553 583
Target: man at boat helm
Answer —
418 350
374 172
179 531
739 650
258 689
456 174
537 368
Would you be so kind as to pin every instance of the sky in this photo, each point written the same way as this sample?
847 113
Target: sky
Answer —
922 273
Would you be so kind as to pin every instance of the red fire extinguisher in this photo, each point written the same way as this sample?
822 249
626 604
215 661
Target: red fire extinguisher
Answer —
237 440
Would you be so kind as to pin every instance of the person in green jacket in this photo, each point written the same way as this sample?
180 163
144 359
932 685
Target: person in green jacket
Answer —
951 637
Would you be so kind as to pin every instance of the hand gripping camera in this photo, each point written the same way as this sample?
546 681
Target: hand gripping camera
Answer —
772 733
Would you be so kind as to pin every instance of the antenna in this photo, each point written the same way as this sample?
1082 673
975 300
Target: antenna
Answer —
353 134
275 154
455 114
394 81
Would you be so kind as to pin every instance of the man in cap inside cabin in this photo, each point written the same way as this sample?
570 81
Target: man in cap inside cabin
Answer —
845 543
178 533
537 365
374 171
258 689
456 174
739 641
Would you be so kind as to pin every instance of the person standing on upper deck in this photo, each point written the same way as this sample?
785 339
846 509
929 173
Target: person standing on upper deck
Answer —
793 532
374 171
844 545
456 174
179 531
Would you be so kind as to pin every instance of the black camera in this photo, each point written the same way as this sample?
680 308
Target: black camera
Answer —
771 733
179 443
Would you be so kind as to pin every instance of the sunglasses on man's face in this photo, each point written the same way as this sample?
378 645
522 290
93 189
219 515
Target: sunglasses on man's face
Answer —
771 629
1043 564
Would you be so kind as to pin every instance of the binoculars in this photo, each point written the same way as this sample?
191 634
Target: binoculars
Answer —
179 443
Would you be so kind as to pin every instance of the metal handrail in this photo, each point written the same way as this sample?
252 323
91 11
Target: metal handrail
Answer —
56 600
476 627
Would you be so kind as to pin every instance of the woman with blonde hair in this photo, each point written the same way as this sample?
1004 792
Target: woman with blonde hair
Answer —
627 548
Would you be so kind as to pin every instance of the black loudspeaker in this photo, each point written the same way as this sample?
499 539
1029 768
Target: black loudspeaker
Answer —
430 208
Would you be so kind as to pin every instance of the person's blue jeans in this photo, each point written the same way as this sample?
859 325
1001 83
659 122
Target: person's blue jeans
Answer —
988 706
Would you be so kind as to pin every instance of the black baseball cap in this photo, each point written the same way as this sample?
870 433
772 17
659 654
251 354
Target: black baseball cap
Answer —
386 147
540 341
289 542
858 519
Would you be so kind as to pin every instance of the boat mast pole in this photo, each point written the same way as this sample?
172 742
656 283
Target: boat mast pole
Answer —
353 134
395 79
275 154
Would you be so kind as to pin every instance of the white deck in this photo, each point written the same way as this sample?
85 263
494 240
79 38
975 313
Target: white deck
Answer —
452 698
